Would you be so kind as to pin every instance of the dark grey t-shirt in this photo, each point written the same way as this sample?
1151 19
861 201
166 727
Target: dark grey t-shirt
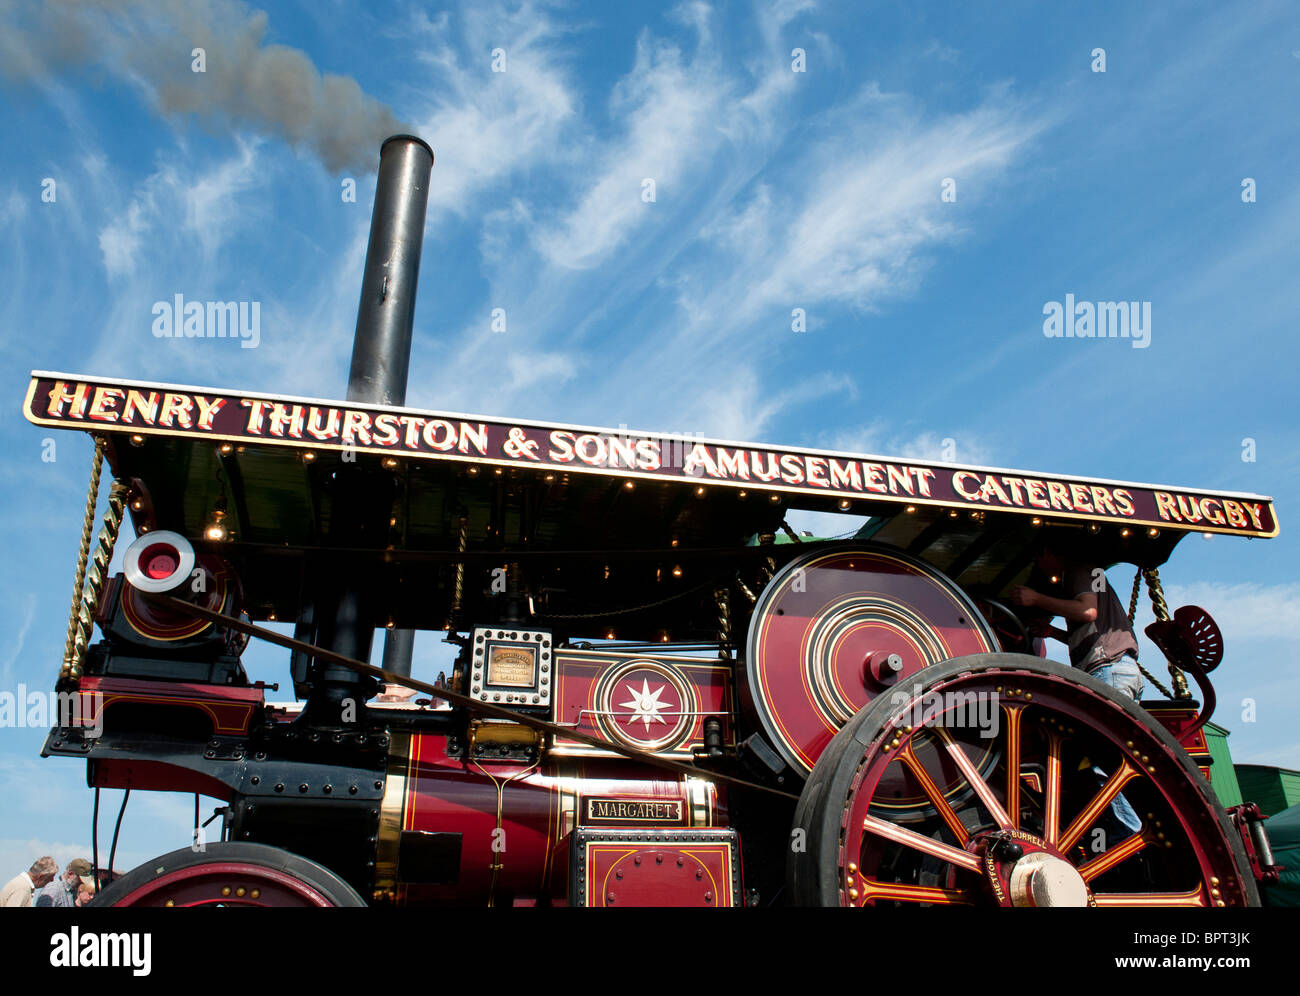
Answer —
1109 637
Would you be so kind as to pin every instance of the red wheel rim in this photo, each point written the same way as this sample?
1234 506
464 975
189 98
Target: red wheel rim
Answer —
1041 794
225 883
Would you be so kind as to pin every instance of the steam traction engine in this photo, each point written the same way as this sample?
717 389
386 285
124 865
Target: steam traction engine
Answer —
661 694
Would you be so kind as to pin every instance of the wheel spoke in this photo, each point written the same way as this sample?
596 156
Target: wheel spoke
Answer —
1108 859
1099 802
873 891
1013 714
977 783
1052 799
1193 897
919 842
934 794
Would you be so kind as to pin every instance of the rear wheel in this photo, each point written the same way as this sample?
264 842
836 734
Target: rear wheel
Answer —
995 780
229 874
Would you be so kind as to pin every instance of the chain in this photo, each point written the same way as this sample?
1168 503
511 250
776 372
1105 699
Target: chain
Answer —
1132 621
71 660
1161 609
723 601
462 539
1155 681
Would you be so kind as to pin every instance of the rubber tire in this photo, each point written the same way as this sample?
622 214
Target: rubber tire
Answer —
811 875
320 878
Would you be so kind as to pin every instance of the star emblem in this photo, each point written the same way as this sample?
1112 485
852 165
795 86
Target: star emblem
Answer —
645 705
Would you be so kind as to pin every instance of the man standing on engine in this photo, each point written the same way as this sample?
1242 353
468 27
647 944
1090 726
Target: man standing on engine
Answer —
1098 633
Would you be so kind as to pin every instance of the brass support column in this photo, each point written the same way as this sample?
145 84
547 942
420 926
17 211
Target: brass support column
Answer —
1178 679
96 575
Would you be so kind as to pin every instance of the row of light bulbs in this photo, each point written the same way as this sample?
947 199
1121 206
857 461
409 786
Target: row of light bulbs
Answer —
217 531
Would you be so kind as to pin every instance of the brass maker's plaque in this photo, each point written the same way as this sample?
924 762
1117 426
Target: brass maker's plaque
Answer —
515 667
512 666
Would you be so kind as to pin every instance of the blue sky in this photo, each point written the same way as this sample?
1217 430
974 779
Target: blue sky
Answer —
774 190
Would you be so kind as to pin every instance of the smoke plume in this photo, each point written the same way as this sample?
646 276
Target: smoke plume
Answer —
245 82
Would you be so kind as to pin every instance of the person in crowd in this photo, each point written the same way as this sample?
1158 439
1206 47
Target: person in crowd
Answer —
20 889
63 890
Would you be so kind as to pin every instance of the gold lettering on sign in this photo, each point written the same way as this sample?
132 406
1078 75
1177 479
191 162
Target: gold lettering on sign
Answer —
635 810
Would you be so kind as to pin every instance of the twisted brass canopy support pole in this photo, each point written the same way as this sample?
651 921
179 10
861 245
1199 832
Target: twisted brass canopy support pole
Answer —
96 575
1132 622
1179 680
70 660
462 542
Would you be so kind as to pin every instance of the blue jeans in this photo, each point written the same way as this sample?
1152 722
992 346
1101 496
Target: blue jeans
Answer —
1124 676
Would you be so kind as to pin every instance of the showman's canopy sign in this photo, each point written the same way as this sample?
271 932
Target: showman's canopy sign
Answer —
223 416
606 518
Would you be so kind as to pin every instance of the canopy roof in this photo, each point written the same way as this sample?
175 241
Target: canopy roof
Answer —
553 491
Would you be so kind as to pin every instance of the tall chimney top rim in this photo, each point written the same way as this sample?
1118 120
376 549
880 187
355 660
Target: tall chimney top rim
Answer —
406 138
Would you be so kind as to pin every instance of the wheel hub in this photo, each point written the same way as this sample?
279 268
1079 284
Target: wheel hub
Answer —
1042 879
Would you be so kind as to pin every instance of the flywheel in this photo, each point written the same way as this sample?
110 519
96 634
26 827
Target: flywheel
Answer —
840 625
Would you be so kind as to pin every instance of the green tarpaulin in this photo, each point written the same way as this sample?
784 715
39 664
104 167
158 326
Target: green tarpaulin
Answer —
1284 834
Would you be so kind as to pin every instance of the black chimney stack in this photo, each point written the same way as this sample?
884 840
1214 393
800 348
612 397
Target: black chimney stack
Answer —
381 354
381 348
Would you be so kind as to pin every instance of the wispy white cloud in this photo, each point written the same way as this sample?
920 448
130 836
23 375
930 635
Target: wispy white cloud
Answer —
179 211
854 228
849 219
527 369
17 636
13 208
740 406
1256 685
1285 755
57 809
211 200
486 126
1245 612
890 439
119 240
669 104
17 854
